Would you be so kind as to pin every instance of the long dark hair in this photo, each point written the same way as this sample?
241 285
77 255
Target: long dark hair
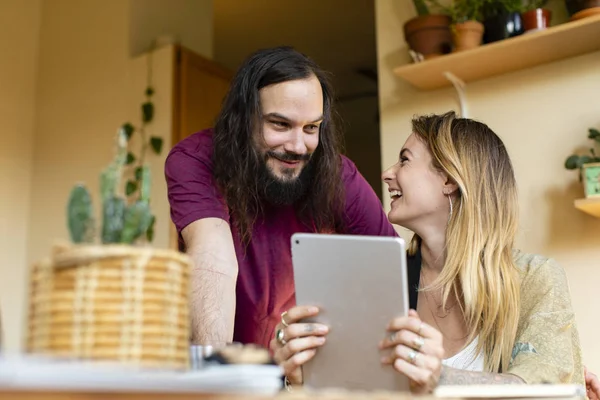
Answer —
236 162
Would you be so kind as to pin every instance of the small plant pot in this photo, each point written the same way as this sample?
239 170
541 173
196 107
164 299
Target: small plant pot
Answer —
114 303
536 20
582 8
502 26
467 35
429 35
590 173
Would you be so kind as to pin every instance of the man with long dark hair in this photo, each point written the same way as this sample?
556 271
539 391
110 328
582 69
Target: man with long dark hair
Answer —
271 167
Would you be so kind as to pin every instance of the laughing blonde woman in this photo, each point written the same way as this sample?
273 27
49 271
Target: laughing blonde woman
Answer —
486 313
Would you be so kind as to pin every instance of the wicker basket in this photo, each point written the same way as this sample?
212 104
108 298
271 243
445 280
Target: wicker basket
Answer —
114 302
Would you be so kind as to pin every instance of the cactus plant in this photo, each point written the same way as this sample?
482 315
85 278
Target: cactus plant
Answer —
125 218
80 215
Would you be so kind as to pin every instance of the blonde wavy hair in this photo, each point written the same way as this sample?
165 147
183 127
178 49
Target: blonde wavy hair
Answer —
479 267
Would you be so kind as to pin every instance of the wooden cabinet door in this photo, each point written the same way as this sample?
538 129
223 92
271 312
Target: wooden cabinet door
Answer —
199 88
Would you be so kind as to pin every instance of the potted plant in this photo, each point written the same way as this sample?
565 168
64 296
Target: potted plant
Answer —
588 165
428 34
582 8
535 16
467 30
501 19
109 295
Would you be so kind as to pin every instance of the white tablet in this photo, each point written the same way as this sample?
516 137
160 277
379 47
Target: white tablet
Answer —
360 284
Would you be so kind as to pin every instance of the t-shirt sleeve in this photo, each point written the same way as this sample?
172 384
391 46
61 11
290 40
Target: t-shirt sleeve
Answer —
364 213
547 348
191 189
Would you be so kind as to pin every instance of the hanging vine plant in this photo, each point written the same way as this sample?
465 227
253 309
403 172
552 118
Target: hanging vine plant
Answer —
125 218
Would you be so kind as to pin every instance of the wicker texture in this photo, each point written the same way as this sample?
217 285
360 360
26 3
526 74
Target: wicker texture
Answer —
115 302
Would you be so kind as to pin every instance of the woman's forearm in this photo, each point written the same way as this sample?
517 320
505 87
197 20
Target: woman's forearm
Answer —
453 376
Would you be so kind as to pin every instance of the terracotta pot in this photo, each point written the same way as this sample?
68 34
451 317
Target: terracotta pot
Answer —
429 35
467 35
575 6
536 20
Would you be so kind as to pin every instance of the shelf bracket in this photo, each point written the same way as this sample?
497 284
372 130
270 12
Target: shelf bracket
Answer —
459 86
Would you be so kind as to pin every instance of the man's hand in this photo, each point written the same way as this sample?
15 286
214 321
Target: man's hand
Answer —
298 342
213 279
592 385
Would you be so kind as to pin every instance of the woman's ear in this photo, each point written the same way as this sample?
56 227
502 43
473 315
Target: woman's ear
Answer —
450 186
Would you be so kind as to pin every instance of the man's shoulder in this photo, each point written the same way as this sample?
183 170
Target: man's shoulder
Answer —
349 172
199 144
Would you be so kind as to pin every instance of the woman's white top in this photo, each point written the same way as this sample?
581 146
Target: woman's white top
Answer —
467 359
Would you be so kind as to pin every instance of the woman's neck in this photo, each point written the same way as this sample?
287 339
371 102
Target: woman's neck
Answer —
433 251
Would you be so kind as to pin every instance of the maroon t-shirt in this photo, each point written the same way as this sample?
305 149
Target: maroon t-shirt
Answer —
265 285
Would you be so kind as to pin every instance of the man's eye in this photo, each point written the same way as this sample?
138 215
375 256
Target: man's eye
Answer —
279 124
312 127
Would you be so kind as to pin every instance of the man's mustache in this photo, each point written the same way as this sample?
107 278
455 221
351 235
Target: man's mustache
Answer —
288 156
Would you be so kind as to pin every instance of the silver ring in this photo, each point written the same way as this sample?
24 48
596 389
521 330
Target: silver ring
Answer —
418 342
412 357
279 335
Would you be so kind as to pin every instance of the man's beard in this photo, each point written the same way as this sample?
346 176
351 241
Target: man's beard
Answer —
281 192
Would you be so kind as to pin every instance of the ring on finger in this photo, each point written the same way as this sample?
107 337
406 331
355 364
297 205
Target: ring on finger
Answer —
392 337
283 314
279 335
412 357
418 343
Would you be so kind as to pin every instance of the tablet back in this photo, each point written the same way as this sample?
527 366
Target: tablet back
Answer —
359 283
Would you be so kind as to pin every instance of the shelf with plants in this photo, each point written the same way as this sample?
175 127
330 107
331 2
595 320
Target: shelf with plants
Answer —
589 175
478 39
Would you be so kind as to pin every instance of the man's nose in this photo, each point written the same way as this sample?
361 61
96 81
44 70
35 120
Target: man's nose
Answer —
296 143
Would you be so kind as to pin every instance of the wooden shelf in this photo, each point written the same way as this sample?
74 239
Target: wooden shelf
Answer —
589 206
528 50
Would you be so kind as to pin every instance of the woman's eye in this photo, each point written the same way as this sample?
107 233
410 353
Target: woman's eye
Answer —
312 128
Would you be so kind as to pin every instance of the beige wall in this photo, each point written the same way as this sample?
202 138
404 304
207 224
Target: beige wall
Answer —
542 114
19 41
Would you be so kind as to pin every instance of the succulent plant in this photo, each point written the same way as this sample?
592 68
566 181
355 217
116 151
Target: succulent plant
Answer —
126 214
576 161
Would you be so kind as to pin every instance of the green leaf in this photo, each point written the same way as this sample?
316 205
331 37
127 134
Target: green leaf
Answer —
80 215
594 133
112 217
584 160
149 91
128 130
572 162
421 7
150 231
147 111
138 173
131 187
156 143
130 158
